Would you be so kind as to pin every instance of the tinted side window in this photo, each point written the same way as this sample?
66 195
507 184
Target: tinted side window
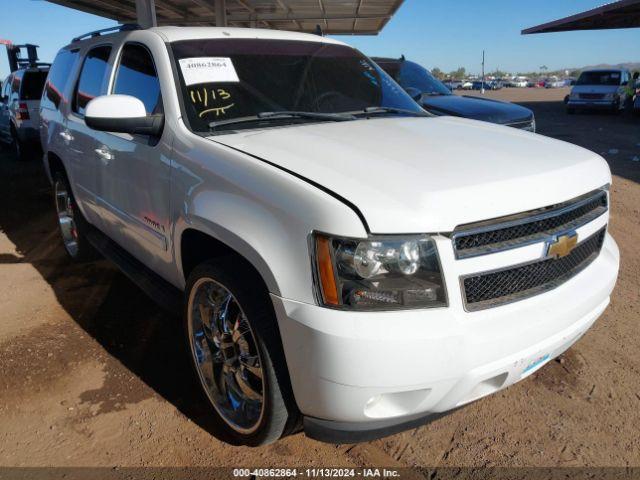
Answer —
6 87
15 83
137 76
58 77
32 85
91 78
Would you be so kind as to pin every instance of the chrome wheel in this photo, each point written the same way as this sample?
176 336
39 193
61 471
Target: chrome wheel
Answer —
64 207
226 355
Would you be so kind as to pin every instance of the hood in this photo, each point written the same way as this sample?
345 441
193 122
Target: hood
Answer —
426 175
595 89
477 109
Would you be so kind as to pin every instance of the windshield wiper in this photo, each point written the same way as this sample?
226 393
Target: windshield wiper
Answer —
331 117
403 111
336 117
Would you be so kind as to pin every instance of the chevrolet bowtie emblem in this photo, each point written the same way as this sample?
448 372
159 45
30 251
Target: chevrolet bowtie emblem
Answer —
562 245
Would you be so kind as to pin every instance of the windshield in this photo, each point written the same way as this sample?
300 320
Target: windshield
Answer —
32 85
414 76
231 79
599 78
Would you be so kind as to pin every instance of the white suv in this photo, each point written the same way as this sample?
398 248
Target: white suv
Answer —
345 262
19 109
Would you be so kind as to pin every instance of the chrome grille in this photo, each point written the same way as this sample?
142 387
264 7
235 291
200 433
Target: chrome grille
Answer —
508 285
529 227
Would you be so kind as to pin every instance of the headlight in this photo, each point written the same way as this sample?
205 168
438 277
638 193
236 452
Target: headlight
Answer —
378 273
531 127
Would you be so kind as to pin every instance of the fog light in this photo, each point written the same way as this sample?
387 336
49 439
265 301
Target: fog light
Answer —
397 404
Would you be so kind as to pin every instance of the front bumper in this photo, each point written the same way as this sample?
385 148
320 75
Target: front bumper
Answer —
358 376
594 104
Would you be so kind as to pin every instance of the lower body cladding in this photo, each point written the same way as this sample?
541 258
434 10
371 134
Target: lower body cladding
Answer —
360 376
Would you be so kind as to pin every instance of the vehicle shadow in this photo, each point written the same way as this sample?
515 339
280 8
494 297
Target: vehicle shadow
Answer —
120 317
614 136
143 337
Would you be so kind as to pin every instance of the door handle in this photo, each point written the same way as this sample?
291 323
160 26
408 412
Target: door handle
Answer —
66 136
104 153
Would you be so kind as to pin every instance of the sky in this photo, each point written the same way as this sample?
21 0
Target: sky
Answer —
435 33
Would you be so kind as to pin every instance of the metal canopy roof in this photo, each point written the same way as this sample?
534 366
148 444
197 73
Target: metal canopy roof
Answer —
353 17
622 14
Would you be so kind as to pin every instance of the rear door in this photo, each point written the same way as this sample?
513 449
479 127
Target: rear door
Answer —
134 187
55 104
82 142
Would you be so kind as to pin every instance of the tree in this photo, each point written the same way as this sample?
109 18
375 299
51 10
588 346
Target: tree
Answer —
436 72
459 74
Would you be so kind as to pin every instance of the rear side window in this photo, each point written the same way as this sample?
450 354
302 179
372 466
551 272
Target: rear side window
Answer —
15 83
137 76
6 87
58 77
32 85
91 78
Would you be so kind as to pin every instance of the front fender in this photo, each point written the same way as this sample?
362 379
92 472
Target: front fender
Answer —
258 210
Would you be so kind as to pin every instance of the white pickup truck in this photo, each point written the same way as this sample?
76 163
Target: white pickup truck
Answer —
345 262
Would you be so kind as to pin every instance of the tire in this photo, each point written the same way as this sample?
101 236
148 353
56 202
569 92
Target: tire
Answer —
243 333
72 225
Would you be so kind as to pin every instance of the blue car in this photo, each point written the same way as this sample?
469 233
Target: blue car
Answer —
438 99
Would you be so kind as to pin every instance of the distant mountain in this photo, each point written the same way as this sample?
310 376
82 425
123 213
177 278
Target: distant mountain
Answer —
628 65
632 66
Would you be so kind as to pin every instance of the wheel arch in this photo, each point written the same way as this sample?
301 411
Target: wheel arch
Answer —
54 165
197 244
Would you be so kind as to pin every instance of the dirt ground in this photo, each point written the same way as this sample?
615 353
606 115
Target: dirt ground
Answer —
92 372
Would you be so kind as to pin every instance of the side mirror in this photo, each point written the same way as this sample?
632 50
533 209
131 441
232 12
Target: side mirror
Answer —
122 114
414 93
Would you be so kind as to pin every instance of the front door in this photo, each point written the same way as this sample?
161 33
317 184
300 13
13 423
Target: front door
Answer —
134 185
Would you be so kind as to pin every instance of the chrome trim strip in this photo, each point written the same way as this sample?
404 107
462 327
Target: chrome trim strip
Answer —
524 218
532 292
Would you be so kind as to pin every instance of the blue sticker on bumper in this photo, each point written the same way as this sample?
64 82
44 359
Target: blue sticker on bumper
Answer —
535 363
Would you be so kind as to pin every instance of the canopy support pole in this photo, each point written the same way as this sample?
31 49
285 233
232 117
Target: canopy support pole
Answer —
221 13
146 13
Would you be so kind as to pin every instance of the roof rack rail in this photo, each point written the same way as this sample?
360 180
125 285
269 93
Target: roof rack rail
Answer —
17 60
118 28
